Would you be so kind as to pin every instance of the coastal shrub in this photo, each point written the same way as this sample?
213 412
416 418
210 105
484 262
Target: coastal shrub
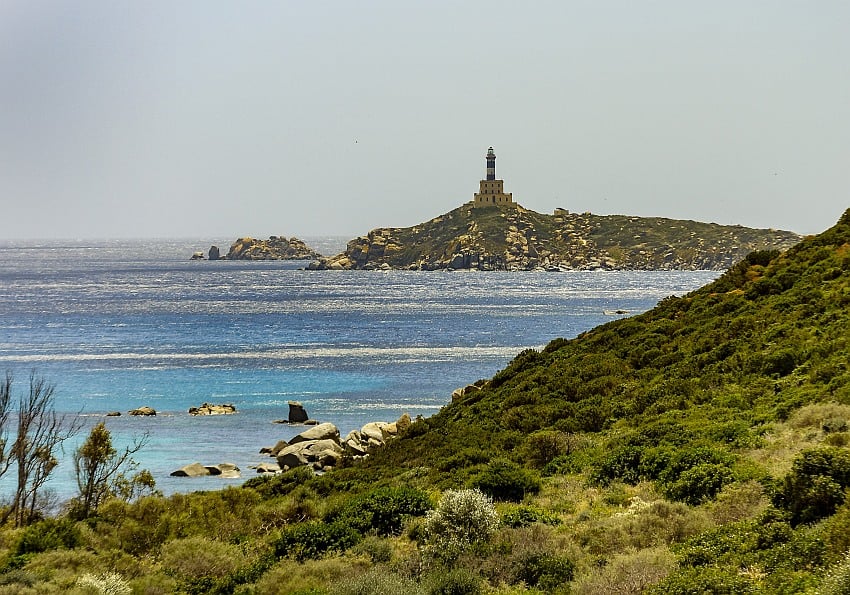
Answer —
815 486
457 581
780 363
467 457
523 516
525 360
544 570
279 484
505 480
45 535
629 573
378 581
463 518
705 580
302 504
761 257
543 446
621 464
198 558
377 549
834 424
382 511
699 483
314 577
314 539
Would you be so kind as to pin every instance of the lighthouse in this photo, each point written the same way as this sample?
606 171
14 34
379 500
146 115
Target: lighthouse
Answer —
491 192
491 164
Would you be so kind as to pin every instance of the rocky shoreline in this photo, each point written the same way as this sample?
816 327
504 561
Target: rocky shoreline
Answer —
319 446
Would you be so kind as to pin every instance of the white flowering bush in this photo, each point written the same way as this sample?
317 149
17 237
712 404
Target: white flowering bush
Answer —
462 519
108 583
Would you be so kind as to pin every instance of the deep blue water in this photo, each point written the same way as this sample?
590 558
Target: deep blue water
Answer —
120 324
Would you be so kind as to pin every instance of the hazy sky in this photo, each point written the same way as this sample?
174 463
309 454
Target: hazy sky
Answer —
209 118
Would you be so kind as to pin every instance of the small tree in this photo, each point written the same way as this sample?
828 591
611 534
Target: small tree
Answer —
5 408
98 467
40 433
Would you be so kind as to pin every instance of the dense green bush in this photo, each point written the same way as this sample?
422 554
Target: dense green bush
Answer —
49 534
815 486
382 511
523 516
467 457
314 539
505 480
45 535
545 570
699 483
542 447
457 581
279 484
377 549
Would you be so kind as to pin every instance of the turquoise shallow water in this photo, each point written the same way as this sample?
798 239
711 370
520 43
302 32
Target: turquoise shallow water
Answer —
120 324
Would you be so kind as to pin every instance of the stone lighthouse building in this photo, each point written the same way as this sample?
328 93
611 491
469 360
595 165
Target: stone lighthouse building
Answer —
491 191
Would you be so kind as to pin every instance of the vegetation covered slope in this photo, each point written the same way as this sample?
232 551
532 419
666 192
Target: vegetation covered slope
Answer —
768 336
701 447
511 237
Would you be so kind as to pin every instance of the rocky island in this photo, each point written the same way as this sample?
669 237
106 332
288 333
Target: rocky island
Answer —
274 248
493 232
510 237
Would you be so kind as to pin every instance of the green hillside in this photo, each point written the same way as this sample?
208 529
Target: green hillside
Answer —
701 447
511 237
769 335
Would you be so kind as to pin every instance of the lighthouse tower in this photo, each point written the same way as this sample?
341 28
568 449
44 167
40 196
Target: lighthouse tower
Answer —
491 192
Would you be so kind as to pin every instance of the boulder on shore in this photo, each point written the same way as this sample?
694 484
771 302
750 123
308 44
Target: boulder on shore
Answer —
325 431
318 453
274 450
143 411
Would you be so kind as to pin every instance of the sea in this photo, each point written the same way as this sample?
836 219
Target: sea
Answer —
115 325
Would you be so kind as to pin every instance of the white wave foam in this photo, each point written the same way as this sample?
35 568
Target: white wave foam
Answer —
383 354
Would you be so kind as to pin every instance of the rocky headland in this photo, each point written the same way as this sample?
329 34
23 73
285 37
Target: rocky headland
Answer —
513 238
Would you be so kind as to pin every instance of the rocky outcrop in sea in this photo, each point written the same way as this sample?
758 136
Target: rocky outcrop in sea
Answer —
274 248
